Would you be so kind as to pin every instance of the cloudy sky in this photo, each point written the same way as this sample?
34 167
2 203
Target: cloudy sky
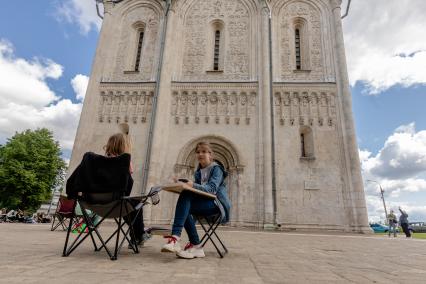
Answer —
47 48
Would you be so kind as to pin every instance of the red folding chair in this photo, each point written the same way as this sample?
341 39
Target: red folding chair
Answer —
63 214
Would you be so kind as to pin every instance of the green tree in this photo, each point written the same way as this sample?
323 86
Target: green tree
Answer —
30 167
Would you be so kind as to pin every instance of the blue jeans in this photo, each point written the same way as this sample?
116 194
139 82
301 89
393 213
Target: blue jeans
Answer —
187 204
392 226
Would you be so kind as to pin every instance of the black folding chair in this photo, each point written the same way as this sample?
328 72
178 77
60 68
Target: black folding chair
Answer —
209 225
101 184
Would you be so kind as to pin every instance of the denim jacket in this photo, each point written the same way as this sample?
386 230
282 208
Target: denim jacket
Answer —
215 185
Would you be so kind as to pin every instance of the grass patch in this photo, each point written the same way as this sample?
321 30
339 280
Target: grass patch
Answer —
413 235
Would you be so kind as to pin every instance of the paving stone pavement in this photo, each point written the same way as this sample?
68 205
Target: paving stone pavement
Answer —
31 253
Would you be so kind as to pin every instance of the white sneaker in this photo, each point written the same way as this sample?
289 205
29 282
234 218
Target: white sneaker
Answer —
172 245
191 251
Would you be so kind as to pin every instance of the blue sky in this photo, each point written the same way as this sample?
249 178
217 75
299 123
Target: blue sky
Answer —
47 48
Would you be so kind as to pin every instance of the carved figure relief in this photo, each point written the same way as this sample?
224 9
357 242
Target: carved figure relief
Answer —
116 106
213 105
308 108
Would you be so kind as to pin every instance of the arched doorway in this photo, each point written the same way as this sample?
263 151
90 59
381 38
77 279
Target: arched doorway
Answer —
225 153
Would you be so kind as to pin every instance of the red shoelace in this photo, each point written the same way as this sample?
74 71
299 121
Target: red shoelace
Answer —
171 239
188 246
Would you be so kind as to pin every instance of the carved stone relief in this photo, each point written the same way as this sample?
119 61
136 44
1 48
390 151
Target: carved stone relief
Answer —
128 42
236 21
287 52
305 107
213 103
119 104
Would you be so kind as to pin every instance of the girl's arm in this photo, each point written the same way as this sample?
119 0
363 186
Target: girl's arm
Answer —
131 168
214 182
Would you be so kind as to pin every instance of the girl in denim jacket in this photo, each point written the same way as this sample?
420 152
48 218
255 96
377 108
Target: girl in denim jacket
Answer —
209 177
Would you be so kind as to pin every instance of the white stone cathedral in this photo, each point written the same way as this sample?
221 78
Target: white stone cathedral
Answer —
264 81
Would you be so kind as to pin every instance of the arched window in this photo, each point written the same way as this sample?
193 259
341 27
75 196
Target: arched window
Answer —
139 49
216 50
297 49
216 40
306 142
301 45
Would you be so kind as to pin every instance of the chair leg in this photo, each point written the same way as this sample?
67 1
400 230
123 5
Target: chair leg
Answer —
217 222
53 223
131 228
64 253
59 222
209 232
64 224
118 232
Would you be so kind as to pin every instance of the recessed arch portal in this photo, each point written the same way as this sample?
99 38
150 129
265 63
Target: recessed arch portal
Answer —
227 154
224 151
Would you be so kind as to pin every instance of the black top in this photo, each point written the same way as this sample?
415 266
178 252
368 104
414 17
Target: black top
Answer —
100 174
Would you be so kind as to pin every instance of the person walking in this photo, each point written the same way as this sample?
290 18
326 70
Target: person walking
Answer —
403 220
393 222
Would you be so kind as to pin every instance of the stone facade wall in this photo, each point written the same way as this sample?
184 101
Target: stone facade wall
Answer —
229 107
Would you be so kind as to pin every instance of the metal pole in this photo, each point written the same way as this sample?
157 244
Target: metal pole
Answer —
383 198
146 166
347 9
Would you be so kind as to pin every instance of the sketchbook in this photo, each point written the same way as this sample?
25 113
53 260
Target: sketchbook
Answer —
178 188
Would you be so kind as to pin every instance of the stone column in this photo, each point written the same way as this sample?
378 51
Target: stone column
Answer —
359 221
159 156
265 121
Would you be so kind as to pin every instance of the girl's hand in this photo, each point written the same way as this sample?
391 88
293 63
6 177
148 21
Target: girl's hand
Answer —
175 179
187 185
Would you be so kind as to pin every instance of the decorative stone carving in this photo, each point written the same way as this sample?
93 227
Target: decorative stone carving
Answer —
304 106
307 12
127 47
125 103
219 102
198 47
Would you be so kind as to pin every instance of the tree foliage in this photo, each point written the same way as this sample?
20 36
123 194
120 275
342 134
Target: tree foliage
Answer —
30 167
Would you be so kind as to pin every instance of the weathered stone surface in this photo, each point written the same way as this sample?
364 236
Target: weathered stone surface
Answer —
254 257
229 107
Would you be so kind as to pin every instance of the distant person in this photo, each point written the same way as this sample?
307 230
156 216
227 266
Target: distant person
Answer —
393 222
403 220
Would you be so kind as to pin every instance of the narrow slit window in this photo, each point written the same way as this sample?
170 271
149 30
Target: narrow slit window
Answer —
216 51
139 51
297 45
302 144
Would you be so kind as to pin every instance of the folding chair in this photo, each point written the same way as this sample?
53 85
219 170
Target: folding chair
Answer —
210 224
101 184
63 212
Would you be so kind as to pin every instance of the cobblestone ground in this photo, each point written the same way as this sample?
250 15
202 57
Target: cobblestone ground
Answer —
32 254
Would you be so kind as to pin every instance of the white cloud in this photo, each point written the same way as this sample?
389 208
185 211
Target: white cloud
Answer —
27 102
376 211
21 77
385 43
399 167
403 155
79 84
81 12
